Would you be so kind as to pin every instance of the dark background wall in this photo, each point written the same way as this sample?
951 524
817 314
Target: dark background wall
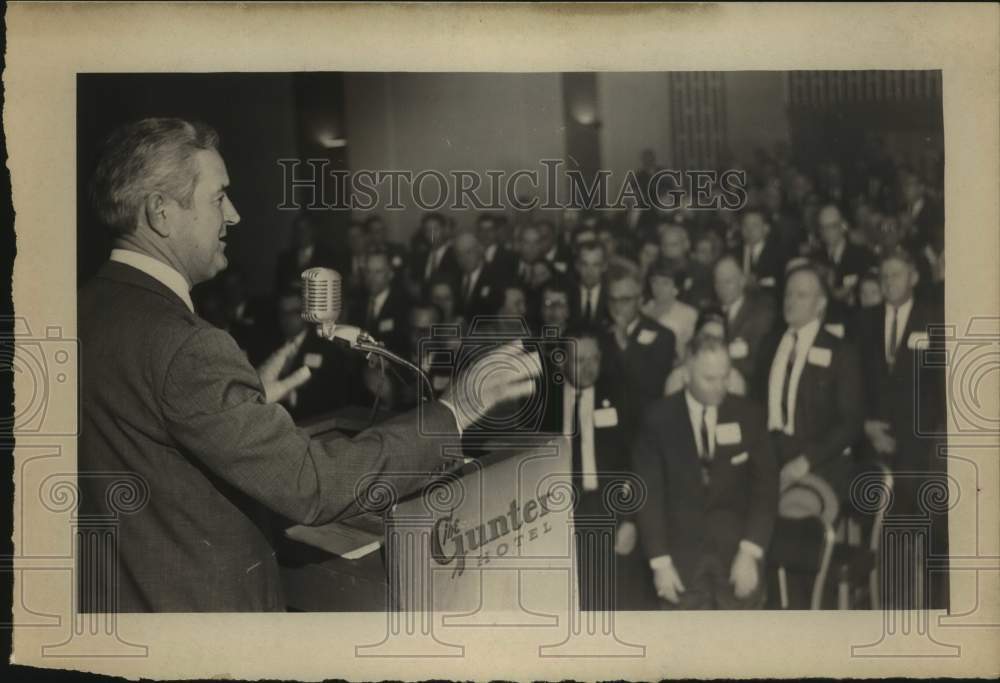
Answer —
255 115
480 121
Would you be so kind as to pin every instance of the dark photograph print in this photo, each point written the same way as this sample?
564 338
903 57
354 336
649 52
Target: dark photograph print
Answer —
589 341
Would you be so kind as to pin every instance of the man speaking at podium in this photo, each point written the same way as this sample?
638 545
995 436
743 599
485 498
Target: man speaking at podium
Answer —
171 400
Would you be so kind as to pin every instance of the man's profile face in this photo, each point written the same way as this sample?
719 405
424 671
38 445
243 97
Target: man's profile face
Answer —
707 374
590 266
623 301
584 362
804 299
197 233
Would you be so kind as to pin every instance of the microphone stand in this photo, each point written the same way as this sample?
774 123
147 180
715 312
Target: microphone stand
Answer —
362 341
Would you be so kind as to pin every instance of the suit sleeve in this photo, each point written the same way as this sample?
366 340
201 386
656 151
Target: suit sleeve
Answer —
214 408
648 465
849 408
763 483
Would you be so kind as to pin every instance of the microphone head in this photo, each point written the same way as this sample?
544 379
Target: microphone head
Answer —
321 296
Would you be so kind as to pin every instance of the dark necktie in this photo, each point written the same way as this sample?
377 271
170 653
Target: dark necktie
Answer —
787 384
705 456
588 309
890 347
370 316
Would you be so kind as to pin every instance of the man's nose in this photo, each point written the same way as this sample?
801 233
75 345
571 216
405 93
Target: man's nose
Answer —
231 215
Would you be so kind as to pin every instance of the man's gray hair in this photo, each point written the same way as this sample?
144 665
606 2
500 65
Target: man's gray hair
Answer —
151 155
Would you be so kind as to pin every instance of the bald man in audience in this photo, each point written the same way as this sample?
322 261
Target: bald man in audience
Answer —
810 381
848 261
708 466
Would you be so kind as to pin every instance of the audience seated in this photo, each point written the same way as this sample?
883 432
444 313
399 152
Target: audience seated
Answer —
809 327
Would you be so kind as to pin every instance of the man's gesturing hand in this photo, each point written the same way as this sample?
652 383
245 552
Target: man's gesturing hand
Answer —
276 389
501 374
668 582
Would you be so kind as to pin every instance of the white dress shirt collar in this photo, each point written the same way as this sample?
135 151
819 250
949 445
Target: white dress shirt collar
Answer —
158 270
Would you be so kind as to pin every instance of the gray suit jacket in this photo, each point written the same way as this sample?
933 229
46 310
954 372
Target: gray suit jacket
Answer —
171 406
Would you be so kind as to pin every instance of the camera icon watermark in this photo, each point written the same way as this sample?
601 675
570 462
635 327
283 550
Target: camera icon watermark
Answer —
964 367
44 367
470 365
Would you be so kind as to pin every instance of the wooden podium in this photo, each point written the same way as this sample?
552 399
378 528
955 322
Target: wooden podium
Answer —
494 535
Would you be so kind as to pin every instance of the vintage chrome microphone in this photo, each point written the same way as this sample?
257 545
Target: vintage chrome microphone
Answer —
322 304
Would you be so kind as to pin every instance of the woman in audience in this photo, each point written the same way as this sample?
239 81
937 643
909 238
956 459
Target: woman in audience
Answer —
663 283
711 322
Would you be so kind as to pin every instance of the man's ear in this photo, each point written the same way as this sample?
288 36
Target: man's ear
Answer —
157 211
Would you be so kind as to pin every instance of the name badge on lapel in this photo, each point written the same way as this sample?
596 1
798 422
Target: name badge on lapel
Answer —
646 337
728 433
918 341
738 348
740 459
560 266
605 417
819 356
387 325
396 262
485 291
313 360
850 280
767 282
836 329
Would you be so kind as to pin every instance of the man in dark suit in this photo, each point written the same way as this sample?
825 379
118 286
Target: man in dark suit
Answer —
590 298
589 409
174 409
500 261
810 381
848 261
761 255
553 249
383 311
640 351
712 489
750 316
904 402
530 249
904 395
436 258
478 288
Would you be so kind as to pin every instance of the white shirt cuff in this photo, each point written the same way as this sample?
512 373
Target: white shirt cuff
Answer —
661 562
752 549
449 406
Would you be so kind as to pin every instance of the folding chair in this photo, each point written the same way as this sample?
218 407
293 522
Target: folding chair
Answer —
804 535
